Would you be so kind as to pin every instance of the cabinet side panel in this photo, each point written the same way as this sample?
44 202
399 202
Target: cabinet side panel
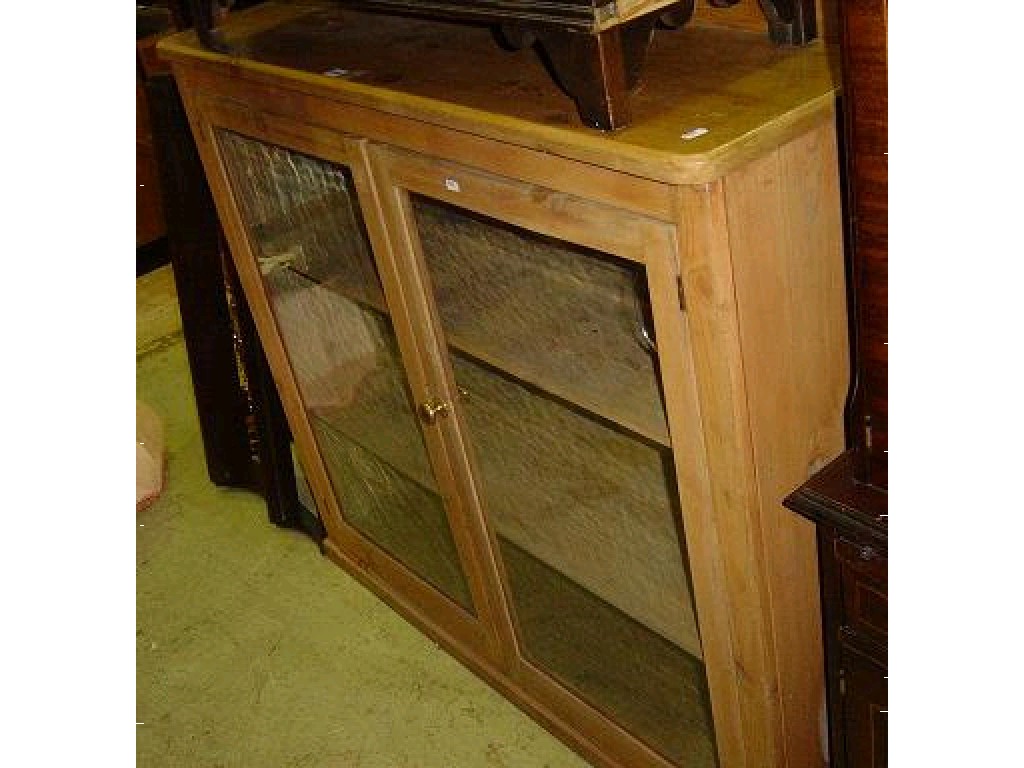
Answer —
750 685
785 238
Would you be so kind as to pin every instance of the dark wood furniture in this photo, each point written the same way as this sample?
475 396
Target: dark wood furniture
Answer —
848 500
246 440
853 550
245 437
596 49
865 84
549 384
149 214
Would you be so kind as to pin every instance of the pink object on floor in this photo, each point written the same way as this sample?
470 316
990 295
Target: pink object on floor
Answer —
149 456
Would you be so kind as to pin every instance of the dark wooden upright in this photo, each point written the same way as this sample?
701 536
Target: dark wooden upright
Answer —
245 436
150 229
866 88
848 499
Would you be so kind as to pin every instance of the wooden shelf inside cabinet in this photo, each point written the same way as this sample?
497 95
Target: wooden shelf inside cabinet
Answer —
550 384
550 516
562 352
571 321
606 487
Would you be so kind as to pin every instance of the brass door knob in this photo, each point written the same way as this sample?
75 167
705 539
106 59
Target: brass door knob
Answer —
432 410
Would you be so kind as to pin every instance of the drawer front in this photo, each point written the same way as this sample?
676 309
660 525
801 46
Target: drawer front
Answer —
864 578
865 710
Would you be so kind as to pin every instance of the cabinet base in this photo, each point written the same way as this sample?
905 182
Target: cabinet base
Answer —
601 742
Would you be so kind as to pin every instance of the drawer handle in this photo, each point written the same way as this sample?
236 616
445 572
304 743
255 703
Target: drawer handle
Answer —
432 410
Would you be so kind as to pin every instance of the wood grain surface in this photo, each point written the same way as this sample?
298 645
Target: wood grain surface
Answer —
741 254
785 235
746 92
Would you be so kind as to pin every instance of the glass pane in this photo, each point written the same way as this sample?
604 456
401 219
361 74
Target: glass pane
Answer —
548 313
551 347
320 277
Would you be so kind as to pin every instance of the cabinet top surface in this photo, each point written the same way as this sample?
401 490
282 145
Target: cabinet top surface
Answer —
709 97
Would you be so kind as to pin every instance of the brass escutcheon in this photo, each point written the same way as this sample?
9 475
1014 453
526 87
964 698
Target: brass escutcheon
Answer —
432 410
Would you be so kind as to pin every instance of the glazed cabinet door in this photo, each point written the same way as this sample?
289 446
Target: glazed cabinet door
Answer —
333 323
546 316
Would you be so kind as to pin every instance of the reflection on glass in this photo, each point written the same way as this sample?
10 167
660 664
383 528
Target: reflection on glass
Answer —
564 412
320 277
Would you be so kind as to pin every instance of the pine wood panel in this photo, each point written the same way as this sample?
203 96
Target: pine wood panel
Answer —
747 672
731 229
749 94
785 225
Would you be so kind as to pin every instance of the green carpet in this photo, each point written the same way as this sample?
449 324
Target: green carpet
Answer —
254 650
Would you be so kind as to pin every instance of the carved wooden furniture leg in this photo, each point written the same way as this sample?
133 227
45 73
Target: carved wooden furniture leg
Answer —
598 70
514 36
675 16
204 19
790 22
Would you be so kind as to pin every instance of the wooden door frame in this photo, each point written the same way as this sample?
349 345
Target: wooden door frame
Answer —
755 626
442 618
640 240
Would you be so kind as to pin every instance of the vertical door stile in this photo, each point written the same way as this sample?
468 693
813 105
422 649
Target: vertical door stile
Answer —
749 667
398 257
687 431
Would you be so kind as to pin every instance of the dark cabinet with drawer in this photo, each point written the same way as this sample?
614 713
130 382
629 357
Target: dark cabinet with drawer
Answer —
856 616
848 499
862 578
864 709
853 553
